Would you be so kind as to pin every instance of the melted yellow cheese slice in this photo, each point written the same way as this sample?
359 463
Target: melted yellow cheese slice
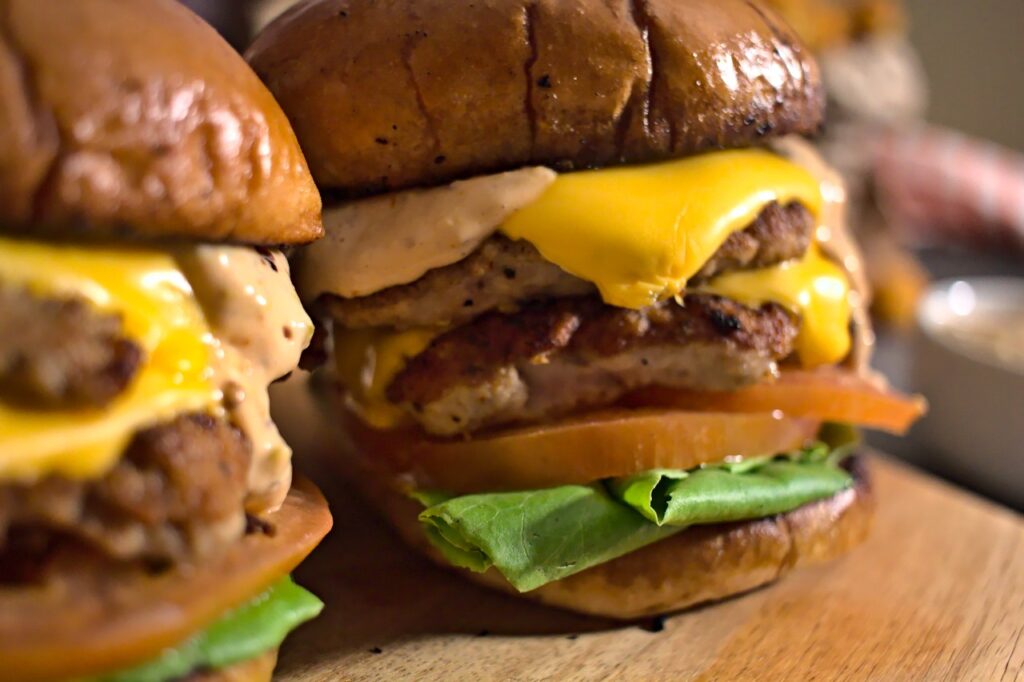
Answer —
159 313
368 359
813 287
640 232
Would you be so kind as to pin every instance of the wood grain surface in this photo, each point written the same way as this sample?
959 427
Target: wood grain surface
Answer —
937 593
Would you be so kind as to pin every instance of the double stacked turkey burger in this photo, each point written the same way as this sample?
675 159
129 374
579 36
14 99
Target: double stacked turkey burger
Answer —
596 327
148 521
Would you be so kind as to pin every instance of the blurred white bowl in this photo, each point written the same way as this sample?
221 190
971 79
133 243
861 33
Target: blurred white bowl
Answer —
968 360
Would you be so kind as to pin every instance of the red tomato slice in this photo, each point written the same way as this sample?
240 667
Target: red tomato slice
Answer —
85 621
826 394
580 450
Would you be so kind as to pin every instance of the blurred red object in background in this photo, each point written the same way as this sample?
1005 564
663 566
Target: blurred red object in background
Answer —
939 187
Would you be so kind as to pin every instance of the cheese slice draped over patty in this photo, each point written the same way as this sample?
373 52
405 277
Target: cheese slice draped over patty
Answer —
639 233
814 288
215 324
158 312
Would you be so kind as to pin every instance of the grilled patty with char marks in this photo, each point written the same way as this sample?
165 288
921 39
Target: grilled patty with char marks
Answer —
177 492
502 273
60 353
553 357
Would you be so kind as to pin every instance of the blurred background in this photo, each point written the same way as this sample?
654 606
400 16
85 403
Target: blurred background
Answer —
926 107
973 55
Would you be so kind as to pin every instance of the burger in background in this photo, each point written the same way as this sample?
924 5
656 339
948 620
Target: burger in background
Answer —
594 324
876 88
148 520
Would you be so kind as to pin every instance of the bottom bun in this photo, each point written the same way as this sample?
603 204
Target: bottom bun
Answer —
697 565
259 669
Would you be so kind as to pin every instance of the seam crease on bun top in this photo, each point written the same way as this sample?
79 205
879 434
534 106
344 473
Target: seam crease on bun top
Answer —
391 94
133 118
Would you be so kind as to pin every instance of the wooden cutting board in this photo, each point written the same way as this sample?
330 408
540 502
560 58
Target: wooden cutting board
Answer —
936 593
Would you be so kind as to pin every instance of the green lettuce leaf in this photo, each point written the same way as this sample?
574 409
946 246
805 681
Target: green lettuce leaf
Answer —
539 536
749 490
250 630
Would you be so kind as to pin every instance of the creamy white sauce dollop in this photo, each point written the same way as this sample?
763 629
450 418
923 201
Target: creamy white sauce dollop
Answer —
260 329
393 239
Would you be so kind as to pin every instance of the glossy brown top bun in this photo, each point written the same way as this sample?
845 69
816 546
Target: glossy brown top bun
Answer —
390 94
133 117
